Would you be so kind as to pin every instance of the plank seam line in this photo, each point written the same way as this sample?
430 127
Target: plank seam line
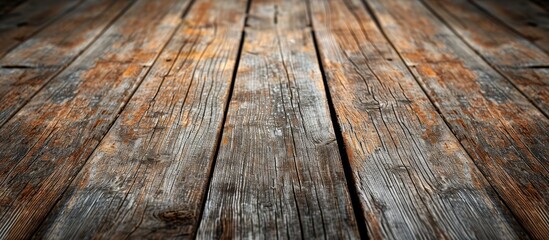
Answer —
47 24
532 102
223 121
493 190
439 17
347 169
113 121
68 63
501 22
501 74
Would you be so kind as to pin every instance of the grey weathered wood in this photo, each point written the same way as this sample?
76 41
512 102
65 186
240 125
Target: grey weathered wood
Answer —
524 64
28 18
525 17
412 175
503 132
278 173
115 113
28 67
46 143
148 177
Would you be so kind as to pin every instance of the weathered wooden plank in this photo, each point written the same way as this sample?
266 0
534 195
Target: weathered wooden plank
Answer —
502 131
46 143
412 175
525 17
28 67
28 18
148 177
524 64
278 173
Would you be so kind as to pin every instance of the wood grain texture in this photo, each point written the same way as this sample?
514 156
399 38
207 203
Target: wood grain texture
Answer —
305 119
278 173
28 67
502 131
525 17
148 177
413 177
524 64
48 141
23 21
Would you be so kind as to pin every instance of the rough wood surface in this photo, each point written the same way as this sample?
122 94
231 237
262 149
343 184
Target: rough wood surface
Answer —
502 131
525 17
148 177
47 142
28 67
524 64
23 21
305 119
413 177
278 173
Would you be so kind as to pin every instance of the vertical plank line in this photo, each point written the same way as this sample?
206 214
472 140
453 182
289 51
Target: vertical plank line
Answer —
351 183
225 113
185 11
49 22
503 23
495 68
493 190
61 69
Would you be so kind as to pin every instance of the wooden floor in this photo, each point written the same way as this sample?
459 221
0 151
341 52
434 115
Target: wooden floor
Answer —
333 119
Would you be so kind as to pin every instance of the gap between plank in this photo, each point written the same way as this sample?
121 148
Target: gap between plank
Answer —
185 12
48 23
351 183
64 66
225 112
501 22
483 58
493 190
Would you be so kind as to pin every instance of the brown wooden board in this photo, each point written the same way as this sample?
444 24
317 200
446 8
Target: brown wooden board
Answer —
501 130
412 175
279 172
28 18
28 67
527 18
148 177
46 143
524 64
396 119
